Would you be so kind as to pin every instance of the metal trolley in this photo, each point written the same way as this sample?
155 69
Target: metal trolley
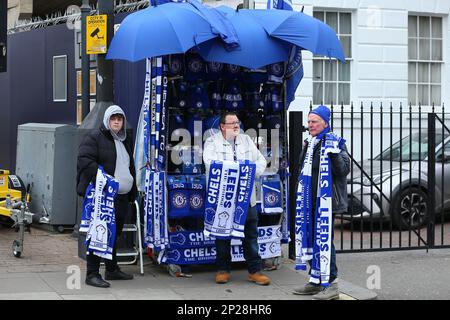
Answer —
14 208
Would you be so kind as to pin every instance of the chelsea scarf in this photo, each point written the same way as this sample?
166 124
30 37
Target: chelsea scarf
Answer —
228 195
98 217
313 237
155 213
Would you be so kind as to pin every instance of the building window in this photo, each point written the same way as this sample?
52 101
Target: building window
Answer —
92 82
60 78
331 78
80 109
92 92
424 60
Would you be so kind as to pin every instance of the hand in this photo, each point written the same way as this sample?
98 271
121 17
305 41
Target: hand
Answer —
333 143
332 147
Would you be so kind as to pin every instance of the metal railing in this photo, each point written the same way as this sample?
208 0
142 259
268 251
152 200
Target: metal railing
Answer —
399 183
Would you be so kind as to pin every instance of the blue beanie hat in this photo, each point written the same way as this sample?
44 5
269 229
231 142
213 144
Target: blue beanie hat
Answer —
323 112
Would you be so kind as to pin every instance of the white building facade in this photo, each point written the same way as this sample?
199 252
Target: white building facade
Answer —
397 51
397 54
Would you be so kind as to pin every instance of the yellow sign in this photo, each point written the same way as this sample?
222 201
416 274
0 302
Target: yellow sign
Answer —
96 34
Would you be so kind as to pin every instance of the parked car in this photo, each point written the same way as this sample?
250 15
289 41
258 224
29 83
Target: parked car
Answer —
394 185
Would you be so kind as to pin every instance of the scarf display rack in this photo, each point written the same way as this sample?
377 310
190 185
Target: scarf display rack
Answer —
186 95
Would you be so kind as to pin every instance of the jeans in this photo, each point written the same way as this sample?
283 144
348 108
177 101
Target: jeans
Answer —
121 206
250 244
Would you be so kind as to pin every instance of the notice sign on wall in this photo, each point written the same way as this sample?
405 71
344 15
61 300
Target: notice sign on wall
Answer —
96 34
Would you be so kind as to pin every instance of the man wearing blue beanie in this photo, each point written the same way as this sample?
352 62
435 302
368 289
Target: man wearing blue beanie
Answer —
322 150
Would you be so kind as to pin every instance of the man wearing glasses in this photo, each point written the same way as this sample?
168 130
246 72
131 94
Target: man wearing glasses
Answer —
231 145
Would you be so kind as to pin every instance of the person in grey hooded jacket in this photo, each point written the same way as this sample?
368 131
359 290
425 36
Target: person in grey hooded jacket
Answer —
109 147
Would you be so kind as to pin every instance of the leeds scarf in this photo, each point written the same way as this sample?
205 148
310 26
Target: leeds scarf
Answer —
98 217
313 237
228 194
155 213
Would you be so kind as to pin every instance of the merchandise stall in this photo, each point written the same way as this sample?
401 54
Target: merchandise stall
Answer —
198 92
192 76
194 93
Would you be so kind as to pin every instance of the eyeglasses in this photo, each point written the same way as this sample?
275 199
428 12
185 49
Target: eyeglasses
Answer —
233 123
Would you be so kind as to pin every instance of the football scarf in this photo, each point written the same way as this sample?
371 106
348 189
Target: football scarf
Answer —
162 132
155 216
141 151
158 67
271 195
247 172
313 236
221 198
178 197
88 208
193 247
207 255
228 195
197 187
98 217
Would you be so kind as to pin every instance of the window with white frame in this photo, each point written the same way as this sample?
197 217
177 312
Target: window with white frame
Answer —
424 60
59 78
331 78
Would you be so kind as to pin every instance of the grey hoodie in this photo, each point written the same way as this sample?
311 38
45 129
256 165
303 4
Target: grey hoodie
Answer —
114 109
122 173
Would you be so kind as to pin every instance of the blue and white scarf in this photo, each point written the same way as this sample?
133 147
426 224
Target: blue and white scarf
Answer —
155 213
162 119
200 255
197 239
225 209
88 208
313 238
141 145
157 71
98 217
193 247
247 172
160 116
271 195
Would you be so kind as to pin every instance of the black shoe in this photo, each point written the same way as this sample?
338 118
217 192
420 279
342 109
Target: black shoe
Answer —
117 275
96 280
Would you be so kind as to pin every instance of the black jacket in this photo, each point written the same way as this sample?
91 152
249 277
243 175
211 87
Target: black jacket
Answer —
340 169
98 148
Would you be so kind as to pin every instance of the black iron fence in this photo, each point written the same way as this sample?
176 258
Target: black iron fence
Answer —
399 184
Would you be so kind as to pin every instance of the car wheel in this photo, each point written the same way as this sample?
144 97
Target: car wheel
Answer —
410 209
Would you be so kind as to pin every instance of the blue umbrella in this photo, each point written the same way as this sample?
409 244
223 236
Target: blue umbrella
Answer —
165 29
301 30
256 48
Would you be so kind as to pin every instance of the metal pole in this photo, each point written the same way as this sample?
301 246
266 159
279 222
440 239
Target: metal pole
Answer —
85 62
296 130
431 205
3 36
105 75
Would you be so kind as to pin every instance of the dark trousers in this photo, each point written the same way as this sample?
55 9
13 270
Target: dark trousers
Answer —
250 244
121 206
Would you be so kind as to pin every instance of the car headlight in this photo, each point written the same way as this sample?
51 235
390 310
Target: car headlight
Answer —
376 179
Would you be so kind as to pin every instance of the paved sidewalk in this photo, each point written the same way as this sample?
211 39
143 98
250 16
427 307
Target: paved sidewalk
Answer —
41 273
